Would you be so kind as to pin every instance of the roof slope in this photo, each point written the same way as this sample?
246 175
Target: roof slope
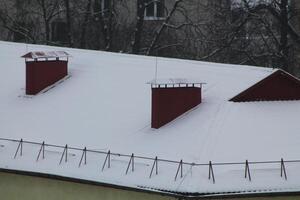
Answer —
105 105
278 86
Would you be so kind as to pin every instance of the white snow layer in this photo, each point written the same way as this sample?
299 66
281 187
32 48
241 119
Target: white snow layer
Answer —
106 105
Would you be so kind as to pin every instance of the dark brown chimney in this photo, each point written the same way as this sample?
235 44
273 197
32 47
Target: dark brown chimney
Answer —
44 69
172 100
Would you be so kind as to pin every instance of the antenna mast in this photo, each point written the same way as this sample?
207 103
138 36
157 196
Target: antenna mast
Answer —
156 63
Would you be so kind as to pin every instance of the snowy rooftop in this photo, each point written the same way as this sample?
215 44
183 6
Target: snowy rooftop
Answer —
92 109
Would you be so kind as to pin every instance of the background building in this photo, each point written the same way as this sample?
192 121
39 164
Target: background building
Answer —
262 33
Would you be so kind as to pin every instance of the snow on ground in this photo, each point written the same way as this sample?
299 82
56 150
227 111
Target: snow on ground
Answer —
106 103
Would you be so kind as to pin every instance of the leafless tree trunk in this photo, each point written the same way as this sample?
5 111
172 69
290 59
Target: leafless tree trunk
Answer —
85 24
69 23
49 9
15 22
136 43
162 27
278 9
106 18
284 49
109 26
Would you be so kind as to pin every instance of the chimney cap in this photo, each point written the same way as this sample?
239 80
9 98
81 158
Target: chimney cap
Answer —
174 81
46 54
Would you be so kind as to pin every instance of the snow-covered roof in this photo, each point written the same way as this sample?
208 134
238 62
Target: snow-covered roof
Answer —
92 109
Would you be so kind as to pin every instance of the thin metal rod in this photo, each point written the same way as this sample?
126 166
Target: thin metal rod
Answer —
41 151
65 153
211 172
107 159
156 65
132 165
20 146
283 171
83 156
66 157
131 162
21 150
247 170
156 167
179 168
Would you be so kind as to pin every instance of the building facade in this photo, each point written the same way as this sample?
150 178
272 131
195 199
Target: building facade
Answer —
13 186
201 30
95 22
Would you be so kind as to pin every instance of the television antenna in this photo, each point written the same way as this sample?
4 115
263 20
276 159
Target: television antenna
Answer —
156 67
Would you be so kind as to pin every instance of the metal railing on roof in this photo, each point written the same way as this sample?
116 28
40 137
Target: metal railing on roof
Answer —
154 169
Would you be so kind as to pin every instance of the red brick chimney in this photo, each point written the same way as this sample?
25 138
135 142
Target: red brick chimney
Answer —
170 100
44 69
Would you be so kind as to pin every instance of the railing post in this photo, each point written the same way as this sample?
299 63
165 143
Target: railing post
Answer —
283 171
179 168
156 167
83 156
65 153
131 162
107 160
66 157
41 151
20 147
211 172
247 170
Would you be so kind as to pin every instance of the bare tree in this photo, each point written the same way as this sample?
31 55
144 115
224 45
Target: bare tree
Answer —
47 10
136 43
85 24
105 16
282 33
246 32
16 20
69 22
162 27
141 35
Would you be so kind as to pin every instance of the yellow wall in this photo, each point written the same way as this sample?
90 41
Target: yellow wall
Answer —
20 187
268 198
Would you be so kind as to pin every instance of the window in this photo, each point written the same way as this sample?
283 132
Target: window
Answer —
154 9
105 6
101 7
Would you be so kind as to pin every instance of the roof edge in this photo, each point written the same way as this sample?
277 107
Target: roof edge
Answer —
89 182
191 196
